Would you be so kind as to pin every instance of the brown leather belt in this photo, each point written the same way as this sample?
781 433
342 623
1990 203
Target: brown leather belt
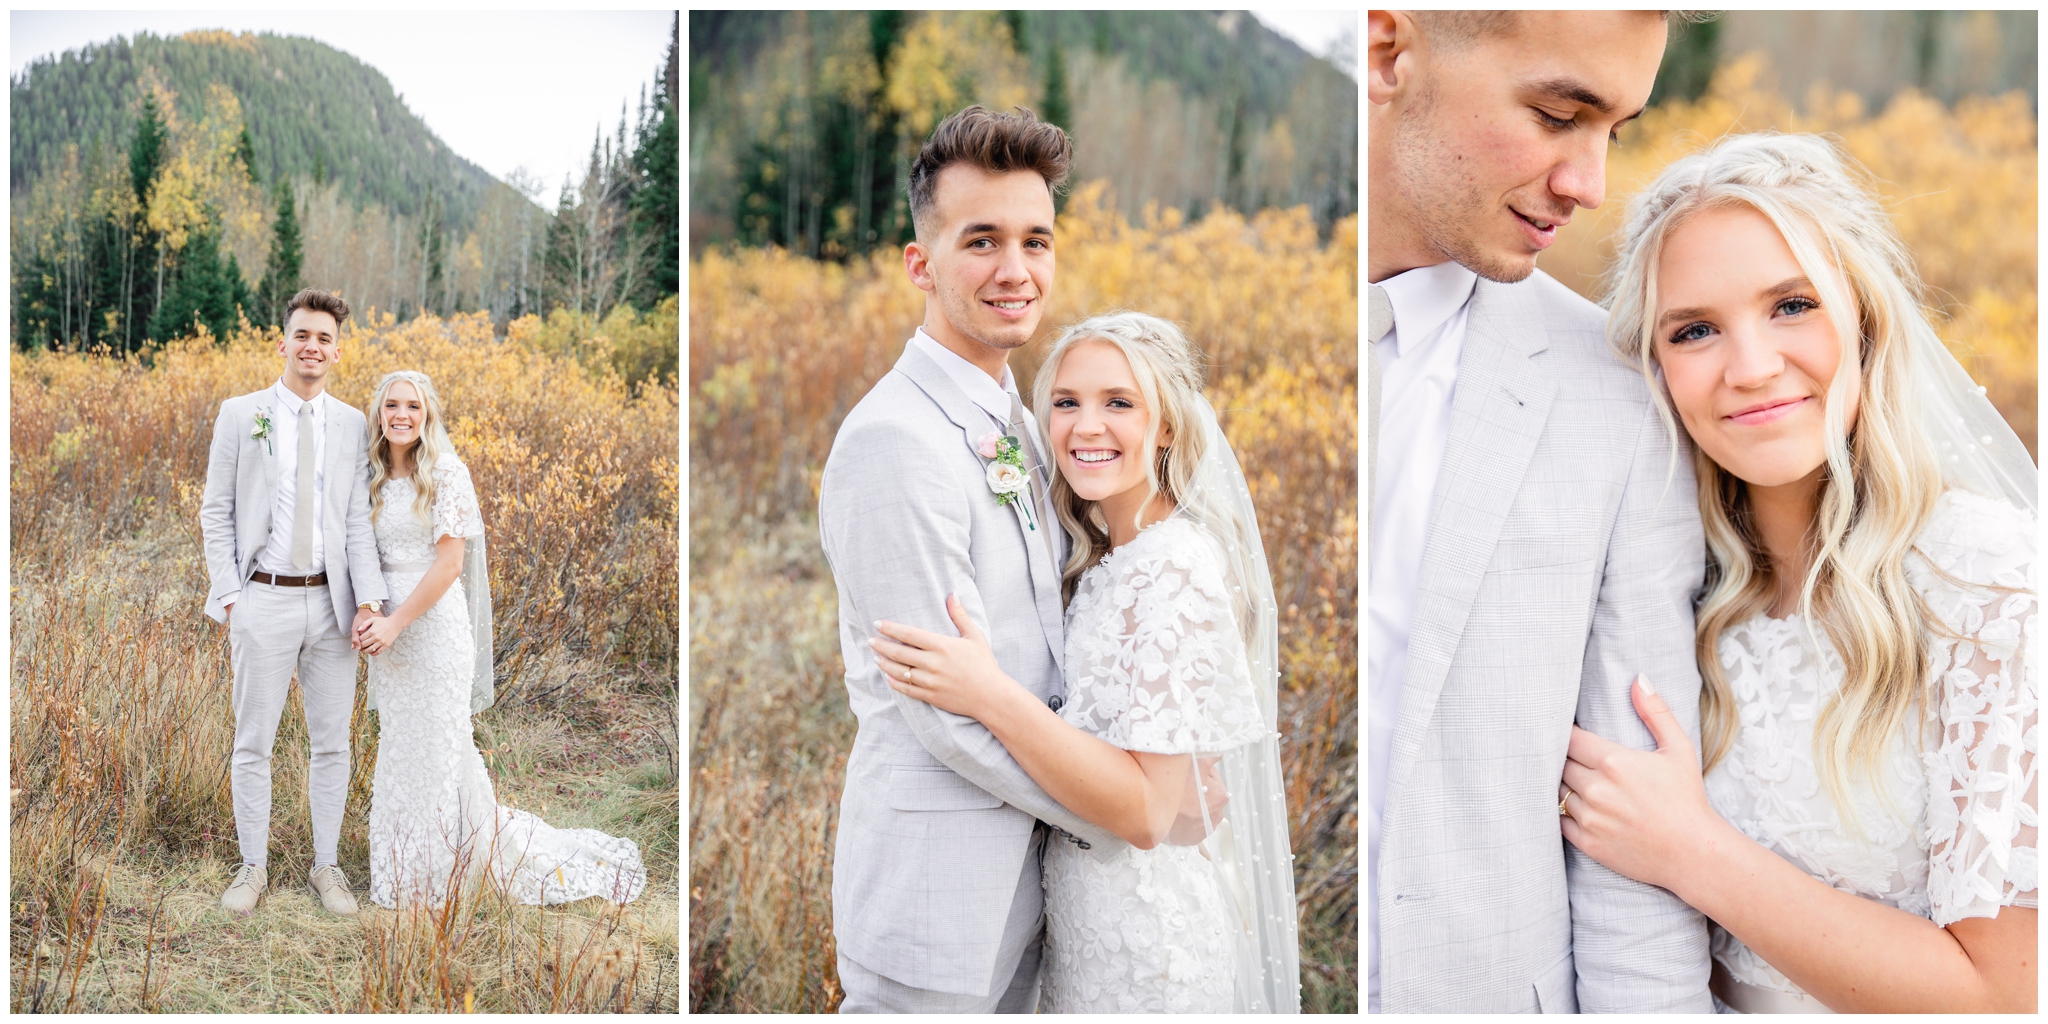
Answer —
318 579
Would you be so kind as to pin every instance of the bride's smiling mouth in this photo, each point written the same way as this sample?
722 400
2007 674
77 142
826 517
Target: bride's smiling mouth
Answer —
1094 458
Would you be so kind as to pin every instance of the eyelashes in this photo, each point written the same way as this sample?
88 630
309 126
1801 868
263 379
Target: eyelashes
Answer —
1798 305
1558 124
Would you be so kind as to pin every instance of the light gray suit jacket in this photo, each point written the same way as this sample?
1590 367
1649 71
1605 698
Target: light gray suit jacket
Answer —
1561 560
936 820
241 493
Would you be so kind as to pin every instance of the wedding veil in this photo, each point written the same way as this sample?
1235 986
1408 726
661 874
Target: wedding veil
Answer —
1250 844
1977 449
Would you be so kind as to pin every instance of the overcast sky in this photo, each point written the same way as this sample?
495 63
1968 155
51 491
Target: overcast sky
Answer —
1332 34
506 89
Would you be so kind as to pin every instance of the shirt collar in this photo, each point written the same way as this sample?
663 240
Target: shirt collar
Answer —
287 400
983 390
1426 298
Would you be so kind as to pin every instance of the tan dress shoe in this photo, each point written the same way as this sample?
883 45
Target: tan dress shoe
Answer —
332 887
246 889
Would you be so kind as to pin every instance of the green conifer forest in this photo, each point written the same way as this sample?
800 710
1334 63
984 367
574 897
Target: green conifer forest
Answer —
162 183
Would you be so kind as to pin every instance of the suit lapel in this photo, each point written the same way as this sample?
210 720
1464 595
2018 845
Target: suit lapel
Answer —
973 424
1501 402
266 453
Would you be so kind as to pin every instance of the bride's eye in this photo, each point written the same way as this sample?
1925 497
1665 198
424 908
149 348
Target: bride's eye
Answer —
1063 403
1796 305
1694 331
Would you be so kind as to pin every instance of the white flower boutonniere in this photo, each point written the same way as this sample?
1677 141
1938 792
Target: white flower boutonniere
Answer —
1006 476
262 431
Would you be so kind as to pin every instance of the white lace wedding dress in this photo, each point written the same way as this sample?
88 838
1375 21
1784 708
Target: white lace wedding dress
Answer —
1155 663
433 816
1951 834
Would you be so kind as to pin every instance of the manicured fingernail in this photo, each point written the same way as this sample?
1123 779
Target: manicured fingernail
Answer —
1644 682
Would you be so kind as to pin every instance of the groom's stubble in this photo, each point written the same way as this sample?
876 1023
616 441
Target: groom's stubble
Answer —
1459 151
309 332
990 241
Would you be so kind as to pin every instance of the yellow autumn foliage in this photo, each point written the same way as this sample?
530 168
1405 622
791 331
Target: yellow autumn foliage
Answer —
577 476
1961 185
120 719
782 347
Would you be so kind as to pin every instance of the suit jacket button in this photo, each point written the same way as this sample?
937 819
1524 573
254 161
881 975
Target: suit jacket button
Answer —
1054 702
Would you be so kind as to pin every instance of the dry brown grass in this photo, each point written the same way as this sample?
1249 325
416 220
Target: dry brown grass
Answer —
123 831
781 349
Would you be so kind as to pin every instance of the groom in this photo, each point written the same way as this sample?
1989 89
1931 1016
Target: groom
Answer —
1535 540
936 903
286 517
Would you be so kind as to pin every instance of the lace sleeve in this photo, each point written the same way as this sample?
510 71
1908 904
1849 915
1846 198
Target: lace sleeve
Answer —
455 509
1174 678
1983 804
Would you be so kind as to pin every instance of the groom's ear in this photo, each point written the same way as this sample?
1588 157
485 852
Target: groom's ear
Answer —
917 262
1391 38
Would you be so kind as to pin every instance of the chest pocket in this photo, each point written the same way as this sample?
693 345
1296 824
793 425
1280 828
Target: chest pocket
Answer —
936 789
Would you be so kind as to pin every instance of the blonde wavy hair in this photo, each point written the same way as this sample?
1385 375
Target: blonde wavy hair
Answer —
1168 370
1882 479
433 443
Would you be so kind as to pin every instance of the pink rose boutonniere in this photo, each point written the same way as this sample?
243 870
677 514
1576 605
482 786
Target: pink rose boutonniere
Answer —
1006 476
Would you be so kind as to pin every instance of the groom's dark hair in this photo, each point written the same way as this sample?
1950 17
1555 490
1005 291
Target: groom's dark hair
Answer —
996 143
319 302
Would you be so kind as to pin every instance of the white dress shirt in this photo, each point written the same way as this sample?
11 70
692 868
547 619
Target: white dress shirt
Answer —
1418 374
993 397
276 556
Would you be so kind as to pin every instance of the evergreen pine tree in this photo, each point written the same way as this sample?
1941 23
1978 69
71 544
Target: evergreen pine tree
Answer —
1057 108
656 206
145 285
146 153
283 275
205 289
561 263
245 151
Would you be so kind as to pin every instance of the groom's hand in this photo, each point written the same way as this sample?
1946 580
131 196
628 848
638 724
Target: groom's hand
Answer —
355 630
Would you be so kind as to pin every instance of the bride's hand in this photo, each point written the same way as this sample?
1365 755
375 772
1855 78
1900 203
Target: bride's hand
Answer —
376 635
957 674
1641 813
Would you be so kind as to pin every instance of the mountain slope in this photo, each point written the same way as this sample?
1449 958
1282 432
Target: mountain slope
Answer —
309 107
803 123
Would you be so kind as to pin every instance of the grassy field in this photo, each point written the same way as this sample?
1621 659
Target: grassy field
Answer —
122 835
782 347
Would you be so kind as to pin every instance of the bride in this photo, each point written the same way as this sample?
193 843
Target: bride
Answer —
1864 838
1168 739
434 820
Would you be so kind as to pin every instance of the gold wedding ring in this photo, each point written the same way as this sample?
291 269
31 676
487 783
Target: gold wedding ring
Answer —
1561 808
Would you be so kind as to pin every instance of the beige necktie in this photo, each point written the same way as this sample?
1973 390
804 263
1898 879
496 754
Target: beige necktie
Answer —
1379 319
1020 426
303 509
